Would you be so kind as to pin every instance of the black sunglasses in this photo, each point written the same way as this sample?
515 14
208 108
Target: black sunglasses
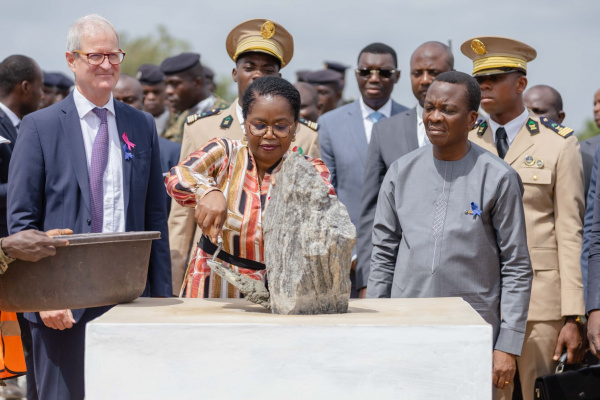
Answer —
384 73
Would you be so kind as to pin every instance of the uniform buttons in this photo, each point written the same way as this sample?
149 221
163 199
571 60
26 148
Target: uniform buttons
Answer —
535 177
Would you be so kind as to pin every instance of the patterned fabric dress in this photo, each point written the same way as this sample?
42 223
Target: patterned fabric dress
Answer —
228 166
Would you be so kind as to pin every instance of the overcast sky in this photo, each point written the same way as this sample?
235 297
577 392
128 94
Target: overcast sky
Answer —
564 33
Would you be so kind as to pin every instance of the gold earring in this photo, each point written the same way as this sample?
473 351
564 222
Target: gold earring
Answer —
244 140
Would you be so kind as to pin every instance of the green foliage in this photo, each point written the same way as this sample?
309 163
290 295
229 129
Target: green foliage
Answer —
152 48
225 88
590 130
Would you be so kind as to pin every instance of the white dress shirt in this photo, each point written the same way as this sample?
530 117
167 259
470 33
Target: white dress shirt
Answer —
114 208
11 115
511 128
240 115
365 110
421 133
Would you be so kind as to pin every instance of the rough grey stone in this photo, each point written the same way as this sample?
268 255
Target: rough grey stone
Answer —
308 239
253 290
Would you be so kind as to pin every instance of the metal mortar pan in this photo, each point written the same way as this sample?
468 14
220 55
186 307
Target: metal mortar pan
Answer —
96 269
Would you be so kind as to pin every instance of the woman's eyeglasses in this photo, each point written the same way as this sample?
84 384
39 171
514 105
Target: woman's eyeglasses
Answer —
384 73
280 129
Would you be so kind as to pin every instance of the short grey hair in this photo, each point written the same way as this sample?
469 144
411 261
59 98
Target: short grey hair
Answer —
88 25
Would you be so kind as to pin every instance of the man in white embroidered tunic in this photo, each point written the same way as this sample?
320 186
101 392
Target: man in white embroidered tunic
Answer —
450 223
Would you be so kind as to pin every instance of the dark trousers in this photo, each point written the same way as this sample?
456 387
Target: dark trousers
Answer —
28 351
59 358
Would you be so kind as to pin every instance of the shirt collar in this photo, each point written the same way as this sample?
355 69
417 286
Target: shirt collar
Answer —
386 109
11 115
513 127
84 106
419 114
240 115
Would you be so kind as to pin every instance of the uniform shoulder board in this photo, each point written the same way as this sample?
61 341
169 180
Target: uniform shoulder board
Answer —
193 118
481 126
312 125
532 127
556 127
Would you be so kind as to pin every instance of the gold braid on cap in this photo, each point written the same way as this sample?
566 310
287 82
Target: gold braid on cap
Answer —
498 62
259 44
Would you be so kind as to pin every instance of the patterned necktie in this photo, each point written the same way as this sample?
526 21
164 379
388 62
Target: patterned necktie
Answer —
97 168
376 116
501 142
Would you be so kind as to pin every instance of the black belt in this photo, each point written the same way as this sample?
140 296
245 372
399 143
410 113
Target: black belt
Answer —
209 248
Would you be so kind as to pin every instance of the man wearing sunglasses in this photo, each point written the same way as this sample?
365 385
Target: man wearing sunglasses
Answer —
346 131
546 156
75 166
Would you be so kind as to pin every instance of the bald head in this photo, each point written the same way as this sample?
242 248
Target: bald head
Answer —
545 101
129 91
310 108
428 61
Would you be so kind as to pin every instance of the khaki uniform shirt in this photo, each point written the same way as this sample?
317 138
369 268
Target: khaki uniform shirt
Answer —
182 226
549 164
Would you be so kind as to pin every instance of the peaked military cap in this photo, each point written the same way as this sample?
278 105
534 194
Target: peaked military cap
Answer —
341 68
263 36
323 76
497 55
180 62
51 79
150 74
64 82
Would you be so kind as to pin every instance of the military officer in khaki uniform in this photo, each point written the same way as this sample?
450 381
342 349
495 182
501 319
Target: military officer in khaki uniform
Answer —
259 48
186 92
546 156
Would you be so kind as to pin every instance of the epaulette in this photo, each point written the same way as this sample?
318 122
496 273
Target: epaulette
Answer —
556 127
193 118
312 125
481 126
532 127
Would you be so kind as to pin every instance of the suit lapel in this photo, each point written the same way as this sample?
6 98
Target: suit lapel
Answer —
356 129
11 131
521 143
123 126
71 126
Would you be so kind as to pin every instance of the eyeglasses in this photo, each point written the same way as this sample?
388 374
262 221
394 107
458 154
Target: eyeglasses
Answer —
280 130
98 58
384 73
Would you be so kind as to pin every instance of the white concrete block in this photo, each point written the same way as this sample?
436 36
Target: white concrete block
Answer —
232 349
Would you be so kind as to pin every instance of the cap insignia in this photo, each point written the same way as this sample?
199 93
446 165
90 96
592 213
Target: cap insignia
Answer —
267 30
478 47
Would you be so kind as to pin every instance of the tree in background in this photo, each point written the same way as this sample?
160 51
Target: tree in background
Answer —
155 47
590 130
152 49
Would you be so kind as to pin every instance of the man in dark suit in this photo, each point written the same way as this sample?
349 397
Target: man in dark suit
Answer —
20 94
345 132
91 164
21 91
391 139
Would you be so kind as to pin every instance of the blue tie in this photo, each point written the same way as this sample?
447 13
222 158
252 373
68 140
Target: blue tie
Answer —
376 116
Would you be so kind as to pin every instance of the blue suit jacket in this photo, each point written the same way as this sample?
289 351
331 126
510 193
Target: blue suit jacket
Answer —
49 183
7 131
169 157
344 151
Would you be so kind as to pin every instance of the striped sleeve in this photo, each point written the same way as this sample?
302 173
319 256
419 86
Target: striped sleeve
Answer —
200 172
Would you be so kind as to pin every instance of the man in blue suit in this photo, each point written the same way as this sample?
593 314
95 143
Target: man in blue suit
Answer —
345 132
91 164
